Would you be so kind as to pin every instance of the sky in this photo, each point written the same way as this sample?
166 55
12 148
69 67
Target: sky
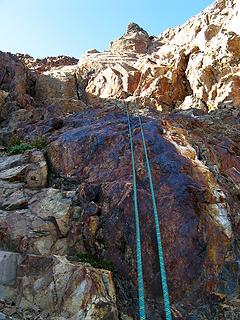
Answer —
70 27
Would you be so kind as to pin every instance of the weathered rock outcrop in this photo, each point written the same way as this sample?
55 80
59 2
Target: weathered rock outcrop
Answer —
135 40
199 59
194 210
31 90
54 287
15 102
72 202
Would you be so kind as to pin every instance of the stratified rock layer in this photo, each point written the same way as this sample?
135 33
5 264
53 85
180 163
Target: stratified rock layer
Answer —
198 60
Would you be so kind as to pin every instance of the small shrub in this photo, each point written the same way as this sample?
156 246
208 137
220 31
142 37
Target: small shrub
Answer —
16 145
20 148
96 263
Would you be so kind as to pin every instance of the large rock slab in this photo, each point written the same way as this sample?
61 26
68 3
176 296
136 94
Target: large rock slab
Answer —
193 210
55 288
14 174
36 222
30 167
9 262
12 161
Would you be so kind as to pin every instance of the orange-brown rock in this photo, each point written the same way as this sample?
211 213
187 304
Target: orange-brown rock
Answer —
199 58
58 90
135 40
53 287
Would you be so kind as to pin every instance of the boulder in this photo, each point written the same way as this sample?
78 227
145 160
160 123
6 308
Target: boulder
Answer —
35 222
14 174
50 205
16 200
9 262
55 288
30 167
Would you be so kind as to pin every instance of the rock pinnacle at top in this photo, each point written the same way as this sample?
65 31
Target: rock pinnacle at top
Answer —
135 40
134 27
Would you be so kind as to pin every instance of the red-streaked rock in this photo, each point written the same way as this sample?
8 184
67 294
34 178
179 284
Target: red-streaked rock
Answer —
193 211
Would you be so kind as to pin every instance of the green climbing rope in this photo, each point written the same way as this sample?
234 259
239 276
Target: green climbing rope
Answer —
158 233
141 299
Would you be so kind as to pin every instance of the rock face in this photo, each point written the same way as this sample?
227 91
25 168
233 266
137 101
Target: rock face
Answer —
198 60
70 205
14 98
30 89
58 89
193 207
54 286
